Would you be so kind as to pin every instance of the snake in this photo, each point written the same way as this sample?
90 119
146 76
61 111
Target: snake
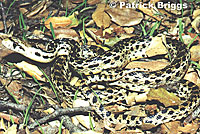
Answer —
107 69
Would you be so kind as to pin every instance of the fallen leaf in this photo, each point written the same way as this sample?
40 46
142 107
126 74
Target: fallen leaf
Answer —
115 108
12 129
101 18
49 111
75 21
153 65
2 26
196 23
141 97
13 87
58 22
93 2
156 47
84 120
170 127
90 2
195 53
30 69
130 99
2 125
136 111
119 126
196 13
8 117
87 132
125 16
190 128
36 10
68 33
192 76
129 30
119 30
151 109
163 96
3 50
76 1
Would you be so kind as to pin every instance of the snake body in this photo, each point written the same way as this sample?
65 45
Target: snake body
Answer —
107 68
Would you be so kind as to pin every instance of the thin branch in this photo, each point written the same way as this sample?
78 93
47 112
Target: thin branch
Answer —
60 112
69 125
5 104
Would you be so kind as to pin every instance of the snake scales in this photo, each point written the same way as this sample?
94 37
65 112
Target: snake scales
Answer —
107 69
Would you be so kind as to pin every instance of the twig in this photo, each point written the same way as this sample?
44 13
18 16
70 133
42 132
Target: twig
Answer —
19 107
60 112
4 17
69 125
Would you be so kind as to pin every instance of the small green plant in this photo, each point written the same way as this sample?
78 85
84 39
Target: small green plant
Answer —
10 7
51 84
181 30
91 124
52 30
192 41
22 25
60 127
82 4
26 116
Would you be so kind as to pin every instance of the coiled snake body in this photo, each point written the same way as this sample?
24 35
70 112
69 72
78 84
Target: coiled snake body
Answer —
107 68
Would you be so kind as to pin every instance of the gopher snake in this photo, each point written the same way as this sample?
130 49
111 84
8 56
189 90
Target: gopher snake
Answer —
107 69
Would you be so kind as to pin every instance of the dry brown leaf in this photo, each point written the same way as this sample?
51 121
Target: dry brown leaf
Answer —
195 53
101 18
90 2
196 13
141 97
13 87
2 125
4 51
58 22
84 120
125 16
151 108
118 30
36 10
196 24
8 117
49 111
87 132
93 2
153 65
30 69
150 12
76 1
163 96
170 127
8 23
189 128
65 31
156 47
115 108
130 99
136 111
192 76
12 129
129 30
119 126
136 131
192 35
